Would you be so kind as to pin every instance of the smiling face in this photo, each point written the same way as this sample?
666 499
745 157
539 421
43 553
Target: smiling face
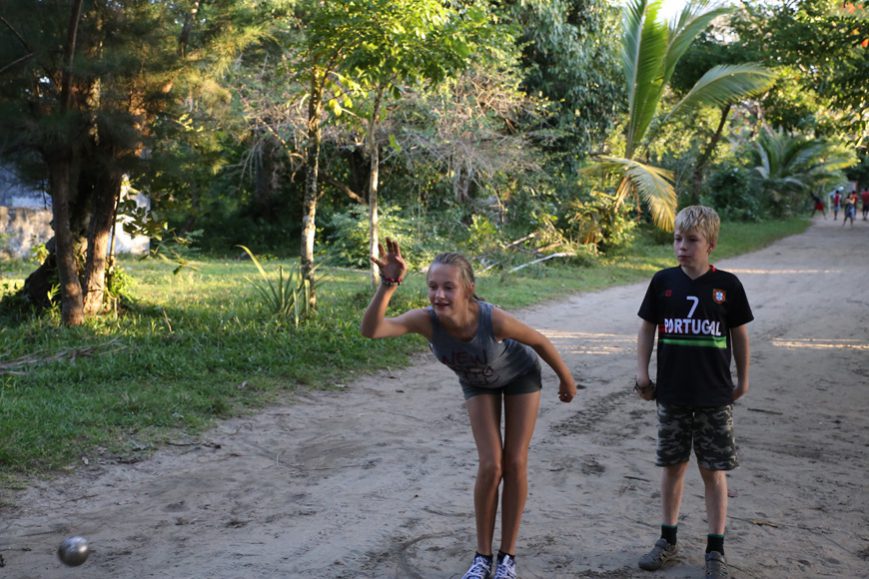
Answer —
447 290
692 249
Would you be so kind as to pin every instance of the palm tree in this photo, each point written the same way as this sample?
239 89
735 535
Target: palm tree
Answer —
651 49
794 165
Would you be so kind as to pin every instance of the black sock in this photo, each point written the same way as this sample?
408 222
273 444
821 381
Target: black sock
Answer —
501 555
715 543
487 557
669 532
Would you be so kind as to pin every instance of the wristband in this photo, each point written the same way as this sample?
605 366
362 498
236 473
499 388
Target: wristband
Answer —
390 281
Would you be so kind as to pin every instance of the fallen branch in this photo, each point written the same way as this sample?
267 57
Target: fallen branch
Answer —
15 366
542 259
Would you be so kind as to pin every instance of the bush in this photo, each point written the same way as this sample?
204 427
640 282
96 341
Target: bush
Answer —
735 192
347 236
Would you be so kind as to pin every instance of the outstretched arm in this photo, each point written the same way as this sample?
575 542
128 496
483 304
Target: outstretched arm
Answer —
739 341
506 326
375 324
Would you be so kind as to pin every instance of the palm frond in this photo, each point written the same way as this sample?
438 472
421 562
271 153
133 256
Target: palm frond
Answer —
685 30
725 84
644 46
653 184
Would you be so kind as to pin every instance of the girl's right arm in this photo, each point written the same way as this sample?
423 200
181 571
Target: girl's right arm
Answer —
375 324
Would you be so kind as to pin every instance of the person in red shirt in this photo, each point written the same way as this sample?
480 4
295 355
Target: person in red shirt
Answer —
865 196
819 206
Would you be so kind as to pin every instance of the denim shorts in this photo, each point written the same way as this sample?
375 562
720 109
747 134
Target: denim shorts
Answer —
708 430
526 383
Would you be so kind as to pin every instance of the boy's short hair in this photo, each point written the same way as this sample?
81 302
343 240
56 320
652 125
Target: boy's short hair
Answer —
699 218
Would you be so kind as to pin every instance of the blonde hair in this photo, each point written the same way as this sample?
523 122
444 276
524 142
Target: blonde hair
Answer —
460 262
700 219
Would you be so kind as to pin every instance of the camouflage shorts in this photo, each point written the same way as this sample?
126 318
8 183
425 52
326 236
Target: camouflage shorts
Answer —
708 430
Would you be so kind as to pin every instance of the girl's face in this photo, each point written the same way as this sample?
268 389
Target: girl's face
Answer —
692 249
447 289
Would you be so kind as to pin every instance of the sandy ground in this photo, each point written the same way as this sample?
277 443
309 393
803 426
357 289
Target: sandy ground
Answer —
375 480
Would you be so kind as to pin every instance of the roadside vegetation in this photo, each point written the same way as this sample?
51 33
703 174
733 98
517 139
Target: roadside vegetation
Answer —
187 348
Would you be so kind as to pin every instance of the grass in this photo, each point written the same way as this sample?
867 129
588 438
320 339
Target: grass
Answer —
199 346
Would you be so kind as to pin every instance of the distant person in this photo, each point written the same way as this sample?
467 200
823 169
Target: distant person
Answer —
495 357
837 203
701 315
850 208
865 198
819 206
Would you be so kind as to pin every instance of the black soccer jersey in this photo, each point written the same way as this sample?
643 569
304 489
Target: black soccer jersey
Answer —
694 318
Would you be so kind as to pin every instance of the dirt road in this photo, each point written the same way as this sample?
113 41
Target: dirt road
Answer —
375 480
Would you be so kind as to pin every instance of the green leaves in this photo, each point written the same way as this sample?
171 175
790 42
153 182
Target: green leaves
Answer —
794 164
650 52
722 85
644 46
652 183
286 297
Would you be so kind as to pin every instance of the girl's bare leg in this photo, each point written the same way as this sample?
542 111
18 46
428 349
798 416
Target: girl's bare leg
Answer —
484 412
520 417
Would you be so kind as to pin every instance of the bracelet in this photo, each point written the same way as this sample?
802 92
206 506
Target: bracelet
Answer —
390 281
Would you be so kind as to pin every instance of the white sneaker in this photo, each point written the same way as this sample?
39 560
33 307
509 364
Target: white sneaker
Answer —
481 568
506 568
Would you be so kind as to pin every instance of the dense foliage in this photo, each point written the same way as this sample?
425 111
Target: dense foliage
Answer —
309 128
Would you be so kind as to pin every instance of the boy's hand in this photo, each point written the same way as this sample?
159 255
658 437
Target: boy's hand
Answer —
740 391
566 391
646 391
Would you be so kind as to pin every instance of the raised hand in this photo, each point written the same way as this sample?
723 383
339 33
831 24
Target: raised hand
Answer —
390 262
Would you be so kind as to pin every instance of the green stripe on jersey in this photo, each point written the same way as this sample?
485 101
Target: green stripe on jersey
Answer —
700 342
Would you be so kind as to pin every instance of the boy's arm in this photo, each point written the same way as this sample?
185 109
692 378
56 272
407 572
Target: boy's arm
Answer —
645 343
741 354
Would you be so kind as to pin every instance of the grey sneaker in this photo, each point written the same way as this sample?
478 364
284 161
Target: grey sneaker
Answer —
660 554
479 569
506 568
716 566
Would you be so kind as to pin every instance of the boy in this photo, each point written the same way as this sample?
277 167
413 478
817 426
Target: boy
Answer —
700 314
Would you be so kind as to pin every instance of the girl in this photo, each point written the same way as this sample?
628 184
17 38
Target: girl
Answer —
493 355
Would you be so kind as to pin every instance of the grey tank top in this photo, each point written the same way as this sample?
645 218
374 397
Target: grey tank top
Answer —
483 362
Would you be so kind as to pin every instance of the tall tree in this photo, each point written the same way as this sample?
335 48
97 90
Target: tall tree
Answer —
651 50
372 47
585 99
822 48
89 113
408 42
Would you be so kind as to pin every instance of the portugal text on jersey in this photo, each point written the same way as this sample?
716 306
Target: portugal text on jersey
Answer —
692 332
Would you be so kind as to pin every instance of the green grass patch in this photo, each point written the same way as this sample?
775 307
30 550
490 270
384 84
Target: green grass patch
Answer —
199 346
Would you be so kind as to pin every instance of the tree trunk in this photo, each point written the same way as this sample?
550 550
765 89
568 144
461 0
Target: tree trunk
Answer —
312 170
105 195
60 178
266 180
700 166
373 185
189 19
71 301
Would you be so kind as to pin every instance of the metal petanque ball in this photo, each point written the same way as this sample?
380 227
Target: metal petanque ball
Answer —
73 551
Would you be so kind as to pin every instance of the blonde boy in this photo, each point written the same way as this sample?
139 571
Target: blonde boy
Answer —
700 314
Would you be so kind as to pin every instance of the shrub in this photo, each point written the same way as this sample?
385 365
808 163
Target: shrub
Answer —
735 192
